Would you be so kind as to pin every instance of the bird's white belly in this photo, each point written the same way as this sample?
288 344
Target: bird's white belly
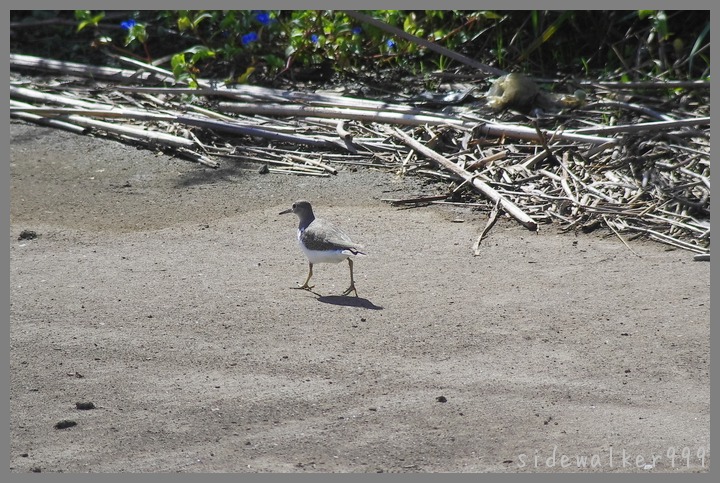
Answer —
324 256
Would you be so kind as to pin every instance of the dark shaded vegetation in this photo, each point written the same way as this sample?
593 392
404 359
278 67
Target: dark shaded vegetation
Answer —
279 46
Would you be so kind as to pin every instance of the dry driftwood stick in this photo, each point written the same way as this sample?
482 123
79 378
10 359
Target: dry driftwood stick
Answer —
610 225
530 162
250 93
705 180
649 84
266 160
486 160
679 224
298 172
342 132
417 40
138 134
149 136
162 73
33 95
412 201
143 134
595 150
592 190
646 126
634 107
482 187
491 221
663 237
408 119
305 168
45 121
118 113
319 164
82 120
298 110
198 158
50 122
263 133
528 133
83 70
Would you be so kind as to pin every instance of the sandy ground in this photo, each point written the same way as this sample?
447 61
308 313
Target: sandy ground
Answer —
160 291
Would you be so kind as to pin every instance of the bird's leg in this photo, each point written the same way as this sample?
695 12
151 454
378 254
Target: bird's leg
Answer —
305 286
351 288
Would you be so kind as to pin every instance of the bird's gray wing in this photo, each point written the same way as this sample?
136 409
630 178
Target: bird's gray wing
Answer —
323 235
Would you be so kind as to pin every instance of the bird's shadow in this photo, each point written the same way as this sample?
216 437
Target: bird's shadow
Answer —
345 300
348 301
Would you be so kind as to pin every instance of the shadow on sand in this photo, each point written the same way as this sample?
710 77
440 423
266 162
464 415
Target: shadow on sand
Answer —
348 301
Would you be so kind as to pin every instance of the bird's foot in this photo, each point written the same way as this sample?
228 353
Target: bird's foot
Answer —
350 289
305 287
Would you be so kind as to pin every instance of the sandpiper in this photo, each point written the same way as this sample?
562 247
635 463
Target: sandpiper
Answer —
323 242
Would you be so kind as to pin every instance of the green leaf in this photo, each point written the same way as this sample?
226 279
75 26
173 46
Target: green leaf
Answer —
409 24
178 61
199 19
92 21
490 15
661 25
184 23
274 61
139 32
201 54
244 78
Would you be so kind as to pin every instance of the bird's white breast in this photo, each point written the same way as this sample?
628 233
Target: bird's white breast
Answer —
323 256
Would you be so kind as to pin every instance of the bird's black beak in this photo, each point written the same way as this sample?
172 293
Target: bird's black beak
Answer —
289 210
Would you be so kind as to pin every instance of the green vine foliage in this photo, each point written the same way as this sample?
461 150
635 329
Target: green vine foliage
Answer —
239 46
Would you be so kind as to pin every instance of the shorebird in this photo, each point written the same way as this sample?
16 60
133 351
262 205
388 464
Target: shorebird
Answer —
323 242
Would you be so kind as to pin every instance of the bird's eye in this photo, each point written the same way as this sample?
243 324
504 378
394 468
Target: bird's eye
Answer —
294 205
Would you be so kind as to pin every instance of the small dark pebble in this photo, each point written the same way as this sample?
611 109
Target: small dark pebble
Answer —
264 169
36 469
24 455
65 423
27 235
441 399
84 405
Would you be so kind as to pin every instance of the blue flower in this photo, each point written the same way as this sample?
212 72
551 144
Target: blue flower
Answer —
128 24
314 38
357 30
263 18
248 38
390 43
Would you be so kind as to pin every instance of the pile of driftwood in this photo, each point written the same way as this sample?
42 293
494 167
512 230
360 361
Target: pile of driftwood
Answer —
640 170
